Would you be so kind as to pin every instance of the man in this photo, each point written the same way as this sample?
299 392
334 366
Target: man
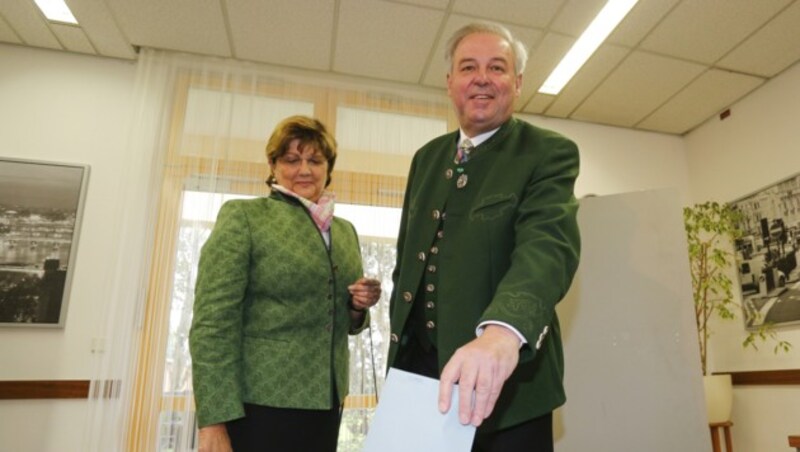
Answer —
488 245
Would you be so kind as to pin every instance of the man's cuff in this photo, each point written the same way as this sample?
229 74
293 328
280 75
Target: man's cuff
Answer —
482 326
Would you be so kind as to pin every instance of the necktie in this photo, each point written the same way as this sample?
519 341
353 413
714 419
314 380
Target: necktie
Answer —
464 149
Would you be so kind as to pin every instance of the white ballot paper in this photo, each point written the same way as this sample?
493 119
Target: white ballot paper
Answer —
408 418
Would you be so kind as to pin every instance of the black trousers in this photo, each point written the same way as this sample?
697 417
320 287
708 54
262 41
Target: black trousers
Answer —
267 429
535 435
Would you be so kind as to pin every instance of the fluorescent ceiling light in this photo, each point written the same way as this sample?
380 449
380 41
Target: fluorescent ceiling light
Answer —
607 19
56 11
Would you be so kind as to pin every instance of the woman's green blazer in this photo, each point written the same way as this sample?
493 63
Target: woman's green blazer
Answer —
270 319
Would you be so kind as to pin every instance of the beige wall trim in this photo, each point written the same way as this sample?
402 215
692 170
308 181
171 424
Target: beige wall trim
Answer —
765 377
56 389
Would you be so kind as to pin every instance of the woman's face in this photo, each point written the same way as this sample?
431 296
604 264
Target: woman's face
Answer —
303 171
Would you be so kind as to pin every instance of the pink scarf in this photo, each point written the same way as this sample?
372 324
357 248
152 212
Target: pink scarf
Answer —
321 211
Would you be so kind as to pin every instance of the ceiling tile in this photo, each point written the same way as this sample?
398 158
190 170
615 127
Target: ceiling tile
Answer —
438 4
527 13
538 103
7 33
706 96
636 88
405 36
639 21
575 16
687 32
73 38
101 28
542 60
28 23
604 60
195 26
770 50
436 73
285 32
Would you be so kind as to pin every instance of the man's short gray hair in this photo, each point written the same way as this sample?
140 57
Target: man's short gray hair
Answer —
520 53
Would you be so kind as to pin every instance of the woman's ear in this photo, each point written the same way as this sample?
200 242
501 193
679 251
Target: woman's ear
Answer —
271 176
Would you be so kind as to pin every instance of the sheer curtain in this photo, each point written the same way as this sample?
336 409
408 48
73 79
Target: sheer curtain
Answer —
198 139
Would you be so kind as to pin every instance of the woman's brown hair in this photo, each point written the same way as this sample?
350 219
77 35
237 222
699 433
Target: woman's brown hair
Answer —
310 132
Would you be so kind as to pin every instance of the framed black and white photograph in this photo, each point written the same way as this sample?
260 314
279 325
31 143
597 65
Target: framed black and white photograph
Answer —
41 204
766 254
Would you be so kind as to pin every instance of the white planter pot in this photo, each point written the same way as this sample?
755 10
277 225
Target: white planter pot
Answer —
719 397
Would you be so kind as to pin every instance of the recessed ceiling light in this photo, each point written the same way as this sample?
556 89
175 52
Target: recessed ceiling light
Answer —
607 19
56 11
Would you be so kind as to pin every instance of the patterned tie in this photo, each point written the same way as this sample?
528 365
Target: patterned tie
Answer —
464 149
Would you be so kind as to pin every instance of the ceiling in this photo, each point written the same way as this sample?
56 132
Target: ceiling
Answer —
668 67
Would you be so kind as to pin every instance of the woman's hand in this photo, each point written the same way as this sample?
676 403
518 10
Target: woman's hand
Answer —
364 293
214 438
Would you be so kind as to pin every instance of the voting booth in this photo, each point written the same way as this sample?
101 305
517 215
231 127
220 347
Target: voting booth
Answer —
633 377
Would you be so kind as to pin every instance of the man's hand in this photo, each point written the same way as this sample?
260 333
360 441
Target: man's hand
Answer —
214 438
482 365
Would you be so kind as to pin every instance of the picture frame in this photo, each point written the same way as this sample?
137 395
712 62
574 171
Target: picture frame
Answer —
766 254
41 207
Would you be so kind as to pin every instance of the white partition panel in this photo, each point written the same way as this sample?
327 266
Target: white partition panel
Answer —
632 362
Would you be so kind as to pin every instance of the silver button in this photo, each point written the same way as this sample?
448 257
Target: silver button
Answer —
430 325
407 297
421 256
430 288
434 250
430 305
448 174
444 216
394 338
431 268
461 182
439 234
436 214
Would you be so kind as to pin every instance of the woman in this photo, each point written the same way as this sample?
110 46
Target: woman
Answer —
279 287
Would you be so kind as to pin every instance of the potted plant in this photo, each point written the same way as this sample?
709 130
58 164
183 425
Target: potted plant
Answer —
711 230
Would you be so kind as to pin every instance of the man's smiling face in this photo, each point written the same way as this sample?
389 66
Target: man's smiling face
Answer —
483 83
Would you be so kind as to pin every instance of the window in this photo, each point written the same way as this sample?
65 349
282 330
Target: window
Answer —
215 151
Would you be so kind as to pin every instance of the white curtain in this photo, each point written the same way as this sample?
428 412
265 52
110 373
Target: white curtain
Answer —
197 138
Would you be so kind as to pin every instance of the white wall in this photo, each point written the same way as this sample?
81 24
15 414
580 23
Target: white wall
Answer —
617 160
74 109
757 145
